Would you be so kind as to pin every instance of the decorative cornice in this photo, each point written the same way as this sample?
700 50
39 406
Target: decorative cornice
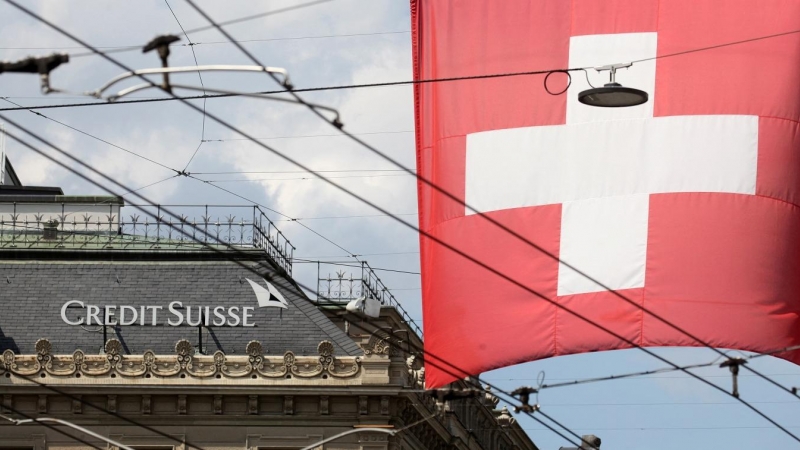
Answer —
183 363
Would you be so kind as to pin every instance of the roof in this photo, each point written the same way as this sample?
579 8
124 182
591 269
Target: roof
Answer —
35 291
11 176
42 194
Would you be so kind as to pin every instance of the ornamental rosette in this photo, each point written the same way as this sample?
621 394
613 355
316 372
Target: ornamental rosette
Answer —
44 347
113 347
325 348
183 348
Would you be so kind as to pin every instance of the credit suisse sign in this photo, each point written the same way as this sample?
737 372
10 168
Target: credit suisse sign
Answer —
175 314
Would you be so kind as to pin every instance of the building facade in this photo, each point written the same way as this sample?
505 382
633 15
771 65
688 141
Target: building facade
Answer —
190 332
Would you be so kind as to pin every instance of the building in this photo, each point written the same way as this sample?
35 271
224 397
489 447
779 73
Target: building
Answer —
176 332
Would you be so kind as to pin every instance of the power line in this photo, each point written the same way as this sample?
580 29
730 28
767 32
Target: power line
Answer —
313 89
250 180
361 216
655 371
433 238
363 254
184 174
367 85
202 85
305 136
128 48
260 15
350 265
297 171
93 136
47 425
117 49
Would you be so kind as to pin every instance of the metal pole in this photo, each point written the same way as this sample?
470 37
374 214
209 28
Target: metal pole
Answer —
200 335
76 427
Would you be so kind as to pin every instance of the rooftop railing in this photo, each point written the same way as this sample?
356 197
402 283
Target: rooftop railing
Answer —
97 226
344 288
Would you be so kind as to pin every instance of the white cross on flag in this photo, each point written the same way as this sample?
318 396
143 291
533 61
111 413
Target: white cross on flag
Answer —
687 205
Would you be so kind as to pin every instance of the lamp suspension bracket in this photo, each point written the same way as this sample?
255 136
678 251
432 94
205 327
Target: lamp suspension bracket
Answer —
613 94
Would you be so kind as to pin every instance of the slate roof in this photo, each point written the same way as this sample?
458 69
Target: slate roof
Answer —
32 294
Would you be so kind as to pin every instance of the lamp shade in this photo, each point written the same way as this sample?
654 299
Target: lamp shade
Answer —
612 95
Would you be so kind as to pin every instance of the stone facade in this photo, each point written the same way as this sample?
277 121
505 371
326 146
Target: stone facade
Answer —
293 377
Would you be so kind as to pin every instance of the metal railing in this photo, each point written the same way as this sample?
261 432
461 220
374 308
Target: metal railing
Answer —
343 288
68 225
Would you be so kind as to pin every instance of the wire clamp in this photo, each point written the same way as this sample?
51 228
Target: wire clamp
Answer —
733 364
524 394
161 44
42 65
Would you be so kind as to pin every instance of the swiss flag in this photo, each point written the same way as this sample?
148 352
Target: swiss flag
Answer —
688 204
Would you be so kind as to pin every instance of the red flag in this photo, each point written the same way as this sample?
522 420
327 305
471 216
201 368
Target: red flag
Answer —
687 204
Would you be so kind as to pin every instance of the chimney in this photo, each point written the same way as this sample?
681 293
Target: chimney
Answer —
50 231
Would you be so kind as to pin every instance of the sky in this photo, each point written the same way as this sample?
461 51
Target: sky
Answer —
336 43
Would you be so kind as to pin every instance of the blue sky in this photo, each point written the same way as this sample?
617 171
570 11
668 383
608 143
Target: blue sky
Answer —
664 411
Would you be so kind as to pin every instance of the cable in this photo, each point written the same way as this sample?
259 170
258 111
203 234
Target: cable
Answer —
299 171
241 180
181 173
491 220
49 426
360 216
313 89
433 238
655 371
727 44
128 48
350 265
347 252
202 85
123 195
91 136
118 49
303 136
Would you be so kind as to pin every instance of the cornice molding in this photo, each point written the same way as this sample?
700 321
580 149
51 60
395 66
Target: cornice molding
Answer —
184 367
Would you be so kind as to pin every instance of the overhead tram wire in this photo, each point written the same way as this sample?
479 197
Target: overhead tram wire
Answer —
481 264
47 425
93 136
202 85
387 84
188 175
308 135
283 91
296 171
118 49
489 219
433 238
496 391
251 180
347 264
128 48
653 371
